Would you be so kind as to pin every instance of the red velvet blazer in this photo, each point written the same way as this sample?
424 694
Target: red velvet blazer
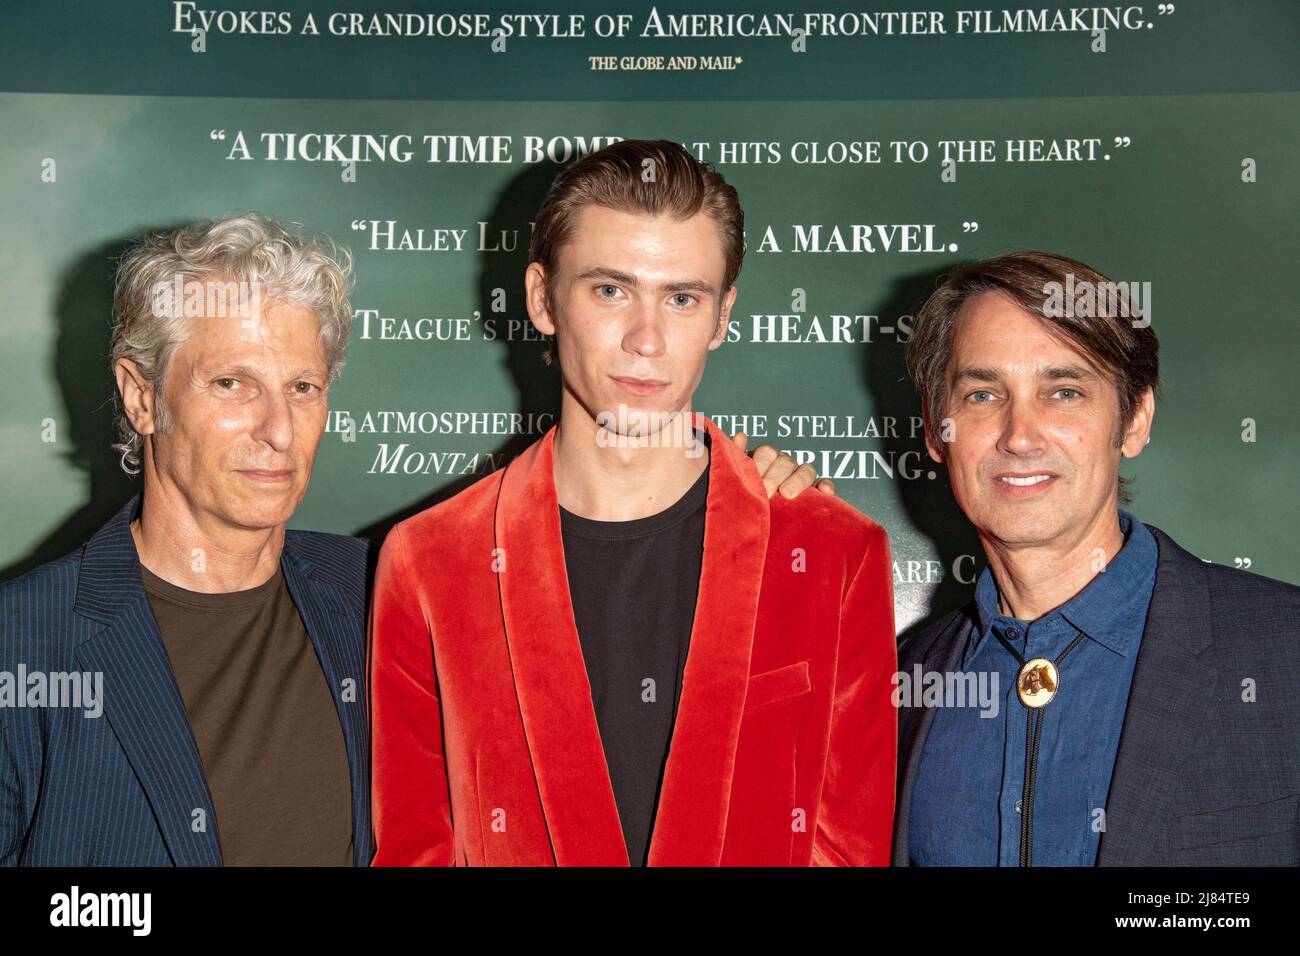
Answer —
486 747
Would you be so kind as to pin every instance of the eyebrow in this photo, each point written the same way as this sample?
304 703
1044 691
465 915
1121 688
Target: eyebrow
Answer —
1048 373
682 285
249 372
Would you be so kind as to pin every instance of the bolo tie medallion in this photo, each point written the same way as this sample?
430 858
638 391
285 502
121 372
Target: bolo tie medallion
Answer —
1037 682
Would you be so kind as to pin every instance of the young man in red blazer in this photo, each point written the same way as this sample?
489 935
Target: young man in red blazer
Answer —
617 650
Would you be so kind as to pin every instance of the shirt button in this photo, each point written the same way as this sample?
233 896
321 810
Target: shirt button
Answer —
1018 806
1013 634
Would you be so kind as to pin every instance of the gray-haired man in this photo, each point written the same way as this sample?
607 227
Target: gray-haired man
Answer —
229 649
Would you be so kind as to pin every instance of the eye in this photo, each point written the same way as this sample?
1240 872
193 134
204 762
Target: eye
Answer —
1069 393
975 396
607 291
226 383
690 299
305 388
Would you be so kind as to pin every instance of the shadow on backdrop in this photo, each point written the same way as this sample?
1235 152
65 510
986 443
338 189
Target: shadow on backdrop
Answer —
84 320
536 384
928 501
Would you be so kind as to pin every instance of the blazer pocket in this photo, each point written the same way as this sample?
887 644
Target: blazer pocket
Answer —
1272 821
777 684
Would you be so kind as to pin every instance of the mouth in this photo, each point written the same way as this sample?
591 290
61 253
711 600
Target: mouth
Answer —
266 475
1024 484
640 386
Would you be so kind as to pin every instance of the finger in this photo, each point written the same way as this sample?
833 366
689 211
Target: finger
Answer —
799 482
765 455
741 440
778 473
826 487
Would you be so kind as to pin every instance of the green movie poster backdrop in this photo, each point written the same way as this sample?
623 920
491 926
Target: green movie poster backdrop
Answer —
872 150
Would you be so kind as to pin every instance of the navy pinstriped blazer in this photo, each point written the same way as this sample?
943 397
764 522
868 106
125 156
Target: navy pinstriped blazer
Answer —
121 789
1208 770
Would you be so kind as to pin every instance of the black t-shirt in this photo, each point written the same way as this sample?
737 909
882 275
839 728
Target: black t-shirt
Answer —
264 720
633 585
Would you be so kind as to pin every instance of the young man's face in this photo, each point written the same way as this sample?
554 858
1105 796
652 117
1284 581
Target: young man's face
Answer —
1032 458
639 304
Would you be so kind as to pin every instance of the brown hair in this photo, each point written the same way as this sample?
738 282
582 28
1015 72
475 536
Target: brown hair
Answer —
637 175
1112 334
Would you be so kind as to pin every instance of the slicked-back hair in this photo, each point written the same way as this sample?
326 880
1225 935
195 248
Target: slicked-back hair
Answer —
655 177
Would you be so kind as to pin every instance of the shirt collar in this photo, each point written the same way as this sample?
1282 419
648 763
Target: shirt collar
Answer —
1111 608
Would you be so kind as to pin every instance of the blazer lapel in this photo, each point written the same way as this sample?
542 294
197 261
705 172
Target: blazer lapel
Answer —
142 702
1164 708
551 679
549 671
336 631
691 820
942 656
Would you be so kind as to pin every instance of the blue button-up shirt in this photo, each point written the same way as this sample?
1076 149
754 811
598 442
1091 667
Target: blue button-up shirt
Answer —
967 801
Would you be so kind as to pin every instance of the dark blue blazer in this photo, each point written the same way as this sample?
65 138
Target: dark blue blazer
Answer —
1202 776
121 789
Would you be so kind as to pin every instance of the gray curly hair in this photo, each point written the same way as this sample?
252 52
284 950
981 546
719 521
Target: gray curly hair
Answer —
311 272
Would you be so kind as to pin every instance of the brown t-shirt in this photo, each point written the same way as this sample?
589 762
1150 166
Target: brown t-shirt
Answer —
265 722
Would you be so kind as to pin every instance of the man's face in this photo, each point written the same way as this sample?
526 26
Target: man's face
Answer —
1032 457
246 400
639 303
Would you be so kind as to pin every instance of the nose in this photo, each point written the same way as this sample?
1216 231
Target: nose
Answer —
645 334
275 424
1022 434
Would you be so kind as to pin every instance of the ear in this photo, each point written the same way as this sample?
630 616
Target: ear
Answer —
724 318
1138 432
935 450
537 300
139 401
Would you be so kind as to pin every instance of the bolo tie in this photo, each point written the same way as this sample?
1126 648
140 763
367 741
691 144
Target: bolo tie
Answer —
1036 685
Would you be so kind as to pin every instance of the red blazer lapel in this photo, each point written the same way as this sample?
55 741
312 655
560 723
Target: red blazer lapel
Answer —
549 671
551 678
692 815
